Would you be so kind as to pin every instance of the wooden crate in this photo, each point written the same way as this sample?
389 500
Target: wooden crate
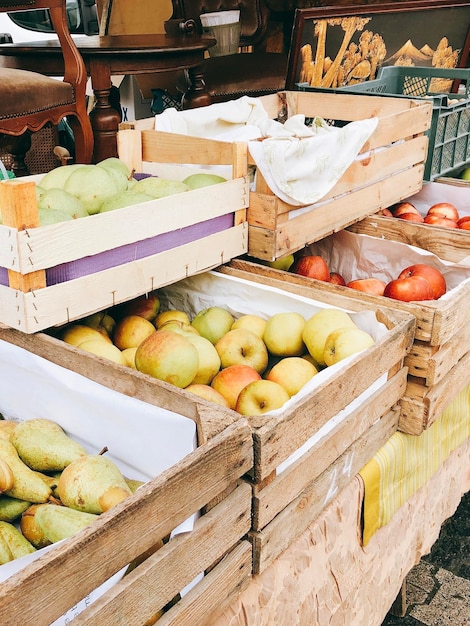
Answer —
331 437
214 559
389 168
53 274
451 244
438 362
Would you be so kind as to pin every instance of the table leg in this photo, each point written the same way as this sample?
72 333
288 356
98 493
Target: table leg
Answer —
104 118
197 94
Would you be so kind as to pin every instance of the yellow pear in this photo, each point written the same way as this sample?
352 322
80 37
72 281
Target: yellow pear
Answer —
12 508
18 544
27 484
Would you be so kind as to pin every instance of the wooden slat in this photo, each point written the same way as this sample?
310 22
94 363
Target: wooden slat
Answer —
58 304
130 529
150 587
297 516
270 500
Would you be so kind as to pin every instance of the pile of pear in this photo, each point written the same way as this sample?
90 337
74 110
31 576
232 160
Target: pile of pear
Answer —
50 486
79 190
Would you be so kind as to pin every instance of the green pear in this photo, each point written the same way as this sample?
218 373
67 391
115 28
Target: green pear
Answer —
44 446
18 544
92 185
133 483
27 484
126 198
12 508
195 181
159 187
5 553
56 178
59 522
30 528
61 200
93 484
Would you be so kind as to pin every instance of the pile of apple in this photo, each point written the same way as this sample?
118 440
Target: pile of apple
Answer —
79 190
247 363
443 214
416 282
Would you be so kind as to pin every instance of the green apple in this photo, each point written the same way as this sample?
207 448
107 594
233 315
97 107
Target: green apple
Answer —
207 393
159 187
283 334
465 175
213 323
344 342
53 216
165 316
283 263
102 348
56 178
319 326
231 380
59 199
168 356
292 373
131 330
209 360
122 199
92 185
255 323
242 347
261 396
74 334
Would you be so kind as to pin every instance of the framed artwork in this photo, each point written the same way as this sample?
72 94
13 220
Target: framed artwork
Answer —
337 46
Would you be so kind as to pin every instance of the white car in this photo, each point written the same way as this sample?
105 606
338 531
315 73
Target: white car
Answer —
34 25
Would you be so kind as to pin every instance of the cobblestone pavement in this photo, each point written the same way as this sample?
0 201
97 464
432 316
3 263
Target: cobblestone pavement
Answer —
438 587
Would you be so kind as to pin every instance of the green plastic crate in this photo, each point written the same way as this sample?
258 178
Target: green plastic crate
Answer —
449 134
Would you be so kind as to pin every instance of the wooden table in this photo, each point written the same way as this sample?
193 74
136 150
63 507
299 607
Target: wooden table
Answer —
117 55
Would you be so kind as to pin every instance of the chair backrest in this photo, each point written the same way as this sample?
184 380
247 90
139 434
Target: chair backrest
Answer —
254 15
74 66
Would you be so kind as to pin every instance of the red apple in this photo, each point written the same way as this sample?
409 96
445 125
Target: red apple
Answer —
409 289
368 285
312 266
440 220
403 207
411 217
337 279
445 209
231 380
464 222
436 280
385 213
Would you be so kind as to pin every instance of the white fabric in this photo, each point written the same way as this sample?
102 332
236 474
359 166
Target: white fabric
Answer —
300 163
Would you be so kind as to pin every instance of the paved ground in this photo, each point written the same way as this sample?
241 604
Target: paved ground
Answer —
438 588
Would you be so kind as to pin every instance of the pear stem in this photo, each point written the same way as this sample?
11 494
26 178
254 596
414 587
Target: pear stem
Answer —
103 451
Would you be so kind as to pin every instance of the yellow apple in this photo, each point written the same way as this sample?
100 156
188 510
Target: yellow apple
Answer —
208 393
209 360
231 380
166 316
168 356
255 323
129 356
103 349
178 326
242 347
213 322
283 263
261 396
75 334
344 342
292 372
283 334
131 330
319 326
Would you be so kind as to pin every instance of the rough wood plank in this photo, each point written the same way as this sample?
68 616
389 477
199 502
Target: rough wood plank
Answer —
150 587
297 516
310 226
119 536
268 502
448 244
421 406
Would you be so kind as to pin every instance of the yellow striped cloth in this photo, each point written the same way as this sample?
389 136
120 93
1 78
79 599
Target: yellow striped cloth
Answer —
406 462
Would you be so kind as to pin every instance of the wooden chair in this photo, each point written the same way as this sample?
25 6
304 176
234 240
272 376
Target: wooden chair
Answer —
29 100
